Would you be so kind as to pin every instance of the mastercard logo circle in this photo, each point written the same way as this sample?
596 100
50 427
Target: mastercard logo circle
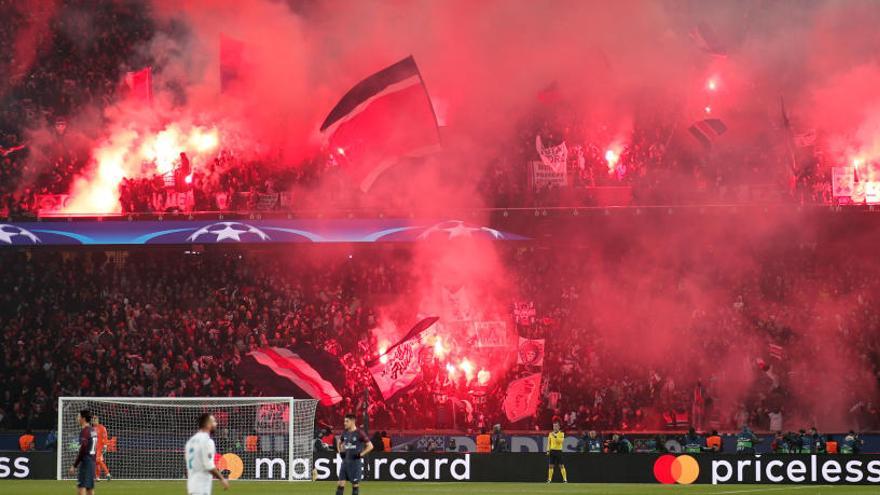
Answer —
669 469
231 463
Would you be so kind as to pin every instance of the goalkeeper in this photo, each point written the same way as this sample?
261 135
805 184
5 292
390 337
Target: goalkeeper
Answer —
352 445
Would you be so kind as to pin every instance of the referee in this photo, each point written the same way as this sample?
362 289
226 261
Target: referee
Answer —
554 452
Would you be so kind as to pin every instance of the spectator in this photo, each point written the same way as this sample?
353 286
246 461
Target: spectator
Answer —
499 440
386 442
378 444
27 441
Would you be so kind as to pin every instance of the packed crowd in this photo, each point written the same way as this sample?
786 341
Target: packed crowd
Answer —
147 325
62 61
171 324
656 161
765 315
57 72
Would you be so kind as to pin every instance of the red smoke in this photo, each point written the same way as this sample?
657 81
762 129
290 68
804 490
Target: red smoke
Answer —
616 66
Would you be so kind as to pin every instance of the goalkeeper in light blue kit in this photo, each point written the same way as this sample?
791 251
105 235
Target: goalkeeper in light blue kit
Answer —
352 445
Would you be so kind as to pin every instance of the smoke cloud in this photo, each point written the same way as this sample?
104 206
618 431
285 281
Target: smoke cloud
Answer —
616 66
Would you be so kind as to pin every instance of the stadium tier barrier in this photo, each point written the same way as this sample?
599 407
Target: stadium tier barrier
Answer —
532 467
406 442
642 442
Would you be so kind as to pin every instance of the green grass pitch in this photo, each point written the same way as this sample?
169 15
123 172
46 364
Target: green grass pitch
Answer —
400 488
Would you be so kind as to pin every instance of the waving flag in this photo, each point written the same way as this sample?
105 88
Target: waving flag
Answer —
299 372
140 84
843 181
707 40
399 369
707 131
552 156
777 351
522 398
231 62
382 119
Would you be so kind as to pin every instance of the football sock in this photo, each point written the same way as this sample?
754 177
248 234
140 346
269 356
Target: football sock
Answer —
549 474
340 490
564 476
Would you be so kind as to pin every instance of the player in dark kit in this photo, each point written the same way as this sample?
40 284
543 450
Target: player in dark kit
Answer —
85 459
352 445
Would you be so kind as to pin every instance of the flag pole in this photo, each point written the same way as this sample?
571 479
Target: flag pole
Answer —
789 138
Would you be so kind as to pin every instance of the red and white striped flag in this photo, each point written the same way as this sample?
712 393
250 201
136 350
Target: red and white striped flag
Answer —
777 351
302 371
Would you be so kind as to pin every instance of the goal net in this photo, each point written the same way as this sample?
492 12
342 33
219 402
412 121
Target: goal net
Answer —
256 438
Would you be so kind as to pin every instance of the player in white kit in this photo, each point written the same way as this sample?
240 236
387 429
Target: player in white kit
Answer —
200 468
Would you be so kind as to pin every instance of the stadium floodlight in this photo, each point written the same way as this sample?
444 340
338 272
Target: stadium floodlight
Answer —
258 438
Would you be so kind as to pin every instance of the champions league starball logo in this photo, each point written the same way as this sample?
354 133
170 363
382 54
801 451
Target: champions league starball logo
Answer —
11 234
453 229
228 231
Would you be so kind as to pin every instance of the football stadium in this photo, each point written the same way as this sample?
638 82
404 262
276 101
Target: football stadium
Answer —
439 246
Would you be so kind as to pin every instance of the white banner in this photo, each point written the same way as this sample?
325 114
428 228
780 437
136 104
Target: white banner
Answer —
523 312
50 203
872 193
843 181
554 157
543 176
400 370
490 334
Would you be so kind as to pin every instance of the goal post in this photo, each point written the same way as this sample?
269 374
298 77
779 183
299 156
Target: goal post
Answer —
257 438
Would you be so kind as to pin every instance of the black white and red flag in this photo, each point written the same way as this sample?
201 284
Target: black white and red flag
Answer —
707 131
385 117
400 367
299 372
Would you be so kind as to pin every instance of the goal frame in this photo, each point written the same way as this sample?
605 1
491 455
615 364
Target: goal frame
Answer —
59 469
